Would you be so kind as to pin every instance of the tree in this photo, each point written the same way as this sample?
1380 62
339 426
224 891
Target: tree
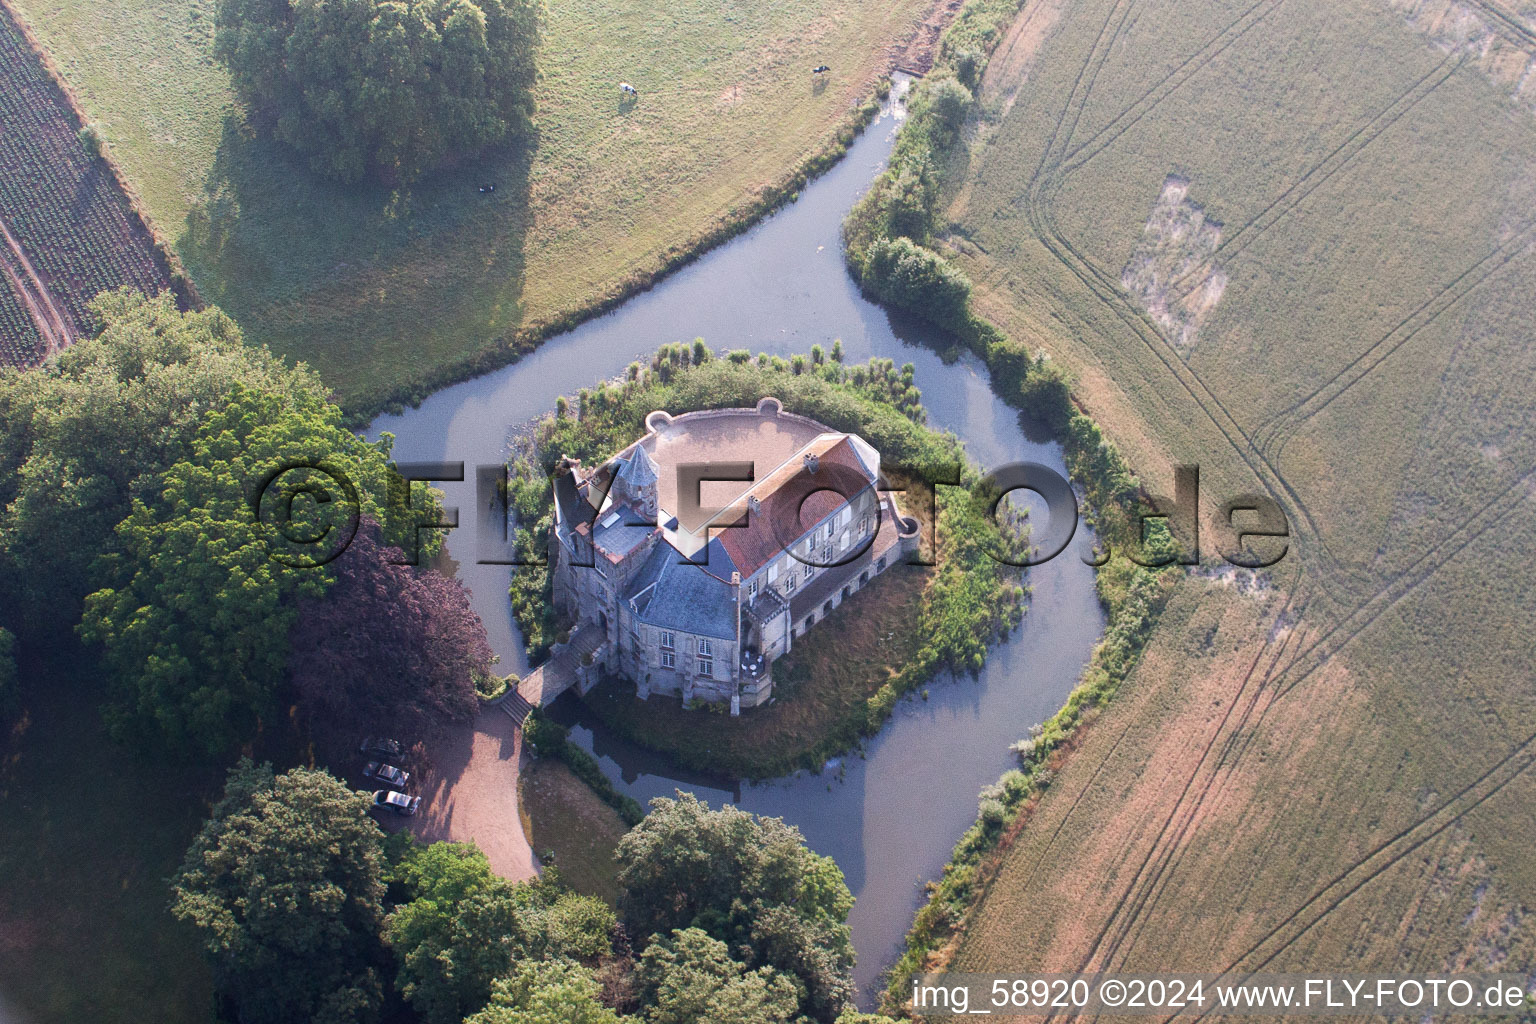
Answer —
902 273
10 699
388 647
460 931
393 88
194 614
747 881
85 433
689 977
547 992
285 883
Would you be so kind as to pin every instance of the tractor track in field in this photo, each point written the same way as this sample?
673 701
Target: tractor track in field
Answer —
1278 430
1382 858
1281 675
1325 169
54 327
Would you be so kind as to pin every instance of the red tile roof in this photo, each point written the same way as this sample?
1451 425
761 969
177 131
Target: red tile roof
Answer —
792 502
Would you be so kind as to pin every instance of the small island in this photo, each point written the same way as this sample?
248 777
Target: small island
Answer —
696 596
703 541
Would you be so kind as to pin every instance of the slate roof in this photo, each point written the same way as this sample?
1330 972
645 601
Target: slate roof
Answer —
674 594
620 530
574 509
639 470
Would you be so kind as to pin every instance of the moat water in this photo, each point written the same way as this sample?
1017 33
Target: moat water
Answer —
889 815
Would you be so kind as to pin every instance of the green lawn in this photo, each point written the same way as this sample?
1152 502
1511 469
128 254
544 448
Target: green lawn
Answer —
89 837
386 292
566 819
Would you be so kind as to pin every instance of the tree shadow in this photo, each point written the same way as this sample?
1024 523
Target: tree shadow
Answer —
310 264
915 331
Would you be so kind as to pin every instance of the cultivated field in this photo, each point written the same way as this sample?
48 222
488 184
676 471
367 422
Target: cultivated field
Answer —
66 230
1291 243
386 291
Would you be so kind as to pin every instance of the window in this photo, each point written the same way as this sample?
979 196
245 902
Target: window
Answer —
880 565
752 589
668 640
706 649
668 659
706 658
789 582
773 573
864 525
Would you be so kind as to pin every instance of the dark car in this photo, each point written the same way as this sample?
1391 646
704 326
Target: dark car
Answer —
397 802
379 745
387 773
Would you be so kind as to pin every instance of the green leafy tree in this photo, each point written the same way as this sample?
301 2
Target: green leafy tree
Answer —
461 930
285 883
555 991
904 274
85 433
194 613
689 977
747 881
10 699
393 88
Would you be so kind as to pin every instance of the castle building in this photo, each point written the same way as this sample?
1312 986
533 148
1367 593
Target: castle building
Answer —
704 549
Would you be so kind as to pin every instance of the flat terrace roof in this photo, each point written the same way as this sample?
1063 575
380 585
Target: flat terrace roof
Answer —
764 437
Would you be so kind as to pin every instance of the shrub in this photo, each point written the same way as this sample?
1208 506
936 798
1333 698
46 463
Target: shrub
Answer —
90 140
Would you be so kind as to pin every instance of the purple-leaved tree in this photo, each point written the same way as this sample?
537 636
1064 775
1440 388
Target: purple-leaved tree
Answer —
389 649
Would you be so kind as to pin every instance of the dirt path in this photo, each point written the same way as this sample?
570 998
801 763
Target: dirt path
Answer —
916 54
471 793
53 324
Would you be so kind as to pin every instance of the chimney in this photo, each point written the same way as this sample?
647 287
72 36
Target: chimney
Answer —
736 661
811 462
753 505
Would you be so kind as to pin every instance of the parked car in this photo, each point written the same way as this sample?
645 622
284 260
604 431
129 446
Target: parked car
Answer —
397 802
387 773
379 745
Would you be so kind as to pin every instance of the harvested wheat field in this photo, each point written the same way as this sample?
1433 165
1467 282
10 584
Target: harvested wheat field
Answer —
1293 244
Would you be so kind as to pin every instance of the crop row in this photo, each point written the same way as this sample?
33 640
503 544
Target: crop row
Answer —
20 344
58 198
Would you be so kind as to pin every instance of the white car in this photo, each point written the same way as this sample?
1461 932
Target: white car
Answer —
397 802
387 773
